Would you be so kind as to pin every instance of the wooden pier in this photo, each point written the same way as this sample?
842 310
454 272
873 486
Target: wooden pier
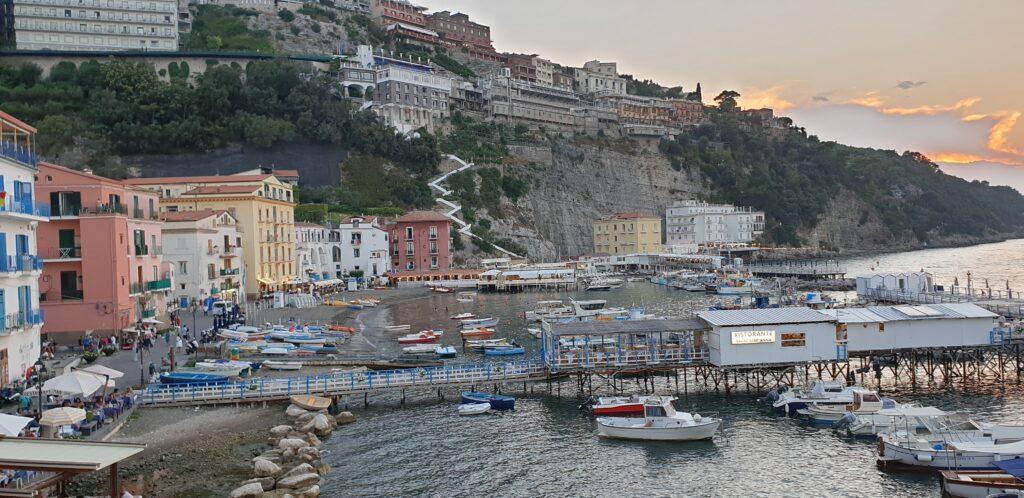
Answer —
804 270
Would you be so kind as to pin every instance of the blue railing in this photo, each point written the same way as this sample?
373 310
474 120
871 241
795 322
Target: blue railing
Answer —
24 262
18 153
14 321
26 207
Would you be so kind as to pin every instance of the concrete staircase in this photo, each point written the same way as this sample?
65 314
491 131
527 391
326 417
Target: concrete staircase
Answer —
452 209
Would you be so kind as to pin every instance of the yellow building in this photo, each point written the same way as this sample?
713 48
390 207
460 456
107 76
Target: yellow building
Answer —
627 233
264 206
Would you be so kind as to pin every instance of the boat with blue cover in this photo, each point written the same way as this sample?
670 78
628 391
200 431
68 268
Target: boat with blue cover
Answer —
504 351
188 378
319 349
445 351
497 401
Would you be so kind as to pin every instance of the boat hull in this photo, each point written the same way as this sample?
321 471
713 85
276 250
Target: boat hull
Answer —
497 402
618 410
639 432
931 459
960 485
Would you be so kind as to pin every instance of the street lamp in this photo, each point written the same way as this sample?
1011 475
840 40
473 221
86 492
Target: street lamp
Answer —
40 367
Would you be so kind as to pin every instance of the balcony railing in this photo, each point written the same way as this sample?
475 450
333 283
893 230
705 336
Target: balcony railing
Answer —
62 252
229 249
141 250
14 321
102 209
159 285
136 288
156 250
26 207
224 272
19 153
138 213
148 313
24 262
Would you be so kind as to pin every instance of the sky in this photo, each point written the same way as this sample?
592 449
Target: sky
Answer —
945 78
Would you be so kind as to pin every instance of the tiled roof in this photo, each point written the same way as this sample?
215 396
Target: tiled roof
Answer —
16 122
189 215
631 216
286 173
421 216
165 180
223 189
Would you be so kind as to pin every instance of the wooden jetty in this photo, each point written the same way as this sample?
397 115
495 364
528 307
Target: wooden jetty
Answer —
805 270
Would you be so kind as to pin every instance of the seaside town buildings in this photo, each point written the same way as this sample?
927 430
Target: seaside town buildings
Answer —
20 265
697 222
102 249
314 252
94 25
420 242
531 68
600 77
203 249
363 249
458 33
627 233
264 206
402 19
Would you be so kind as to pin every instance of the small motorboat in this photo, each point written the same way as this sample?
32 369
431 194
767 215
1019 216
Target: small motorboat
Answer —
480 332
474 408
463 316
420 349
906 417
442 290
535 332
310 402
865 402
661 422
189 378
319 348
548 310
496 401
424 337
482 344
445 351
472 323
1008 481
504 351
466 297
282 365
396 328
599 286
617 406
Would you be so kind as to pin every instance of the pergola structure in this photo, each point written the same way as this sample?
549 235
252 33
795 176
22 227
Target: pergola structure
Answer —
17 140
622 344
61 460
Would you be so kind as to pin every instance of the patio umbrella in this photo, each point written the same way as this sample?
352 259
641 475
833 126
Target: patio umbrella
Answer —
64 415
74 383
152 321
11 425
102 371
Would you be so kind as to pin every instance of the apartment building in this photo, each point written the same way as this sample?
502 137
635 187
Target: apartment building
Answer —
697 222
534 104
103 254
627 233
204 249
314 246
531 68
457 32
402 19
363 248
420 241
20 265
407 95
96 25
264 206
599 77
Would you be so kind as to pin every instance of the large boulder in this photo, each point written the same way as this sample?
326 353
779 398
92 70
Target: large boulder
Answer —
280 430
251 490
305 418
298 481
266 482
312 439
278 493
300 469
345 418
295 411
310 492
262 467
292 444
321 424
309 451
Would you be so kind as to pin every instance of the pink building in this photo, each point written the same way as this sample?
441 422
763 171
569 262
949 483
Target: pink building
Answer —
104 268
420 242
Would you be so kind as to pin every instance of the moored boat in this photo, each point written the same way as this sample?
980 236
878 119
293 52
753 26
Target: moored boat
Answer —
424 337
865 402
486 343
504 351
445 351
472 323
419 349
478 332
310 402
1008 481
396 328
441 289
786 401
463 316
617 405
661 422
551 309
963 446
282 365
466 409
466 297
496 401
189 378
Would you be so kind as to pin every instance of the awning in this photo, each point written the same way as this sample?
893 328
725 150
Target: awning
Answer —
57 455
264 281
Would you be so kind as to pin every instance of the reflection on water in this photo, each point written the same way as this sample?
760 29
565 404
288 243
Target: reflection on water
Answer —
997 262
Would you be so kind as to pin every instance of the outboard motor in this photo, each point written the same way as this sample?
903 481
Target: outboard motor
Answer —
770 397
587 403
783 388
845 421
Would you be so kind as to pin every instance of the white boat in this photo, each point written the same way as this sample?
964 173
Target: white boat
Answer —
474 408
959 446
661 422
535 332
473 323
420 349
463 316
823 392
865 402
396 328
282 365
226 368
907 418
547 310
487 343
598 286
465 297
276 351
583 309
1007 482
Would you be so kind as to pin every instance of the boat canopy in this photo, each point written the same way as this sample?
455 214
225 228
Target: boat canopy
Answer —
1013 467
912 411
1014 448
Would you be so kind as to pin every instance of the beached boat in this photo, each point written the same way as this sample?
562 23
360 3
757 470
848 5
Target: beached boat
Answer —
463 316
466 409
907 418
1008 481
341 328
282 365
496 401
227 368
472 323
318 348
276 351
480 332
396 328
297 337
620 406
508 350
242 334
420 338
445 351
465 297
310 402
951 447
482 344
865 402
419 349
661 422
190 378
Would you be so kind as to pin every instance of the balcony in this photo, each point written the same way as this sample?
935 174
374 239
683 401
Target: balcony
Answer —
26 208
63 253
14 321
148 313
136 288
141 250
156 250
138 214
225 272
21 263
159 285
15 152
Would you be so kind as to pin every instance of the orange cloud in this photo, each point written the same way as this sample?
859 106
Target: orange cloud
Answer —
954 157
873 101
756 98
998 135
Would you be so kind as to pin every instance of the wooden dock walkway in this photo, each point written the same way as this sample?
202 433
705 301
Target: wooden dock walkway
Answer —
806 270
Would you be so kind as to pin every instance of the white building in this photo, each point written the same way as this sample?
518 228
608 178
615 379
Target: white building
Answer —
20 265
599 77
406 94
893 284
314 250
96 25
885 328
362 248
765 336
204 249
697 222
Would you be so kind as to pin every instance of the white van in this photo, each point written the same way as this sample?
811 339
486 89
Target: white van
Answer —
221 307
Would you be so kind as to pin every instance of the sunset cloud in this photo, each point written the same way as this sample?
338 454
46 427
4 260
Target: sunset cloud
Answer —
907 85
756 98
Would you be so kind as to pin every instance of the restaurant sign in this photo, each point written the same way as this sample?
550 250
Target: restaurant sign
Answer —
753 336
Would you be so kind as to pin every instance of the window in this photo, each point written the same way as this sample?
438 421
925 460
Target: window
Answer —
433 261
408 233
433 232
211 271
408 249
355 252
183 267
794 339
433 247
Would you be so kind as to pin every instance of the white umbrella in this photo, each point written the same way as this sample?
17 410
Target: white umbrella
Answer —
74 383
64 415
152 321
11 425
103 371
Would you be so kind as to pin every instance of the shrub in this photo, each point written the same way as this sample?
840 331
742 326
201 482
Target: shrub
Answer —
286 15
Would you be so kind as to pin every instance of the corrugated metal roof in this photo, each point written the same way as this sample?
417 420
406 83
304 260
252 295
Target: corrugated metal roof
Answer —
854 315
966 310
612 327
930 311
769 316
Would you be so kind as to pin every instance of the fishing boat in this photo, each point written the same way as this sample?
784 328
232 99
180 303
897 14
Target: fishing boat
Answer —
445 351
465 297
297 337
661 422
735 288
282 365
598 286
496 401
956 446
480 332
1008 481
243 334
466 409
617 406
310 402
548 310
907 418
419 349
463 316
189 378
482 344
472 323
690 286
508 350
786 401
419 338
865 402
396 328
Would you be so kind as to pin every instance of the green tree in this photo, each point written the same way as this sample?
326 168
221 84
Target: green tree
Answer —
727 101
286 15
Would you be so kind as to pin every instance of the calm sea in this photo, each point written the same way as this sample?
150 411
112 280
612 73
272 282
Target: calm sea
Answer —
546 447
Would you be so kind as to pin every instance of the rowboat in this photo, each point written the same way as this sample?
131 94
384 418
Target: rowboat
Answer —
188 378
445 351
396 328
504 351
419 338
310 402
419 349
319 348
480 332
442 290
497 401
1007 481
466 297
661 422
463 316
238 334
474 408
341 328
472 323
486 343
282 365
276 351
227 368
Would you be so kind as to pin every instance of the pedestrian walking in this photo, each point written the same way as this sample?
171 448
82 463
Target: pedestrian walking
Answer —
178 345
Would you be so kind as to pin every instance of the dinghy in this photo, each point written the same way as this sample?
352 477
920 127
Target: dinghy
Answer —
189 378
463 316
282 365
396 328
276 351
445 351
480 332
1008 481
419 349
466 409
496 401
504 351
310 402
419 338
472 323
